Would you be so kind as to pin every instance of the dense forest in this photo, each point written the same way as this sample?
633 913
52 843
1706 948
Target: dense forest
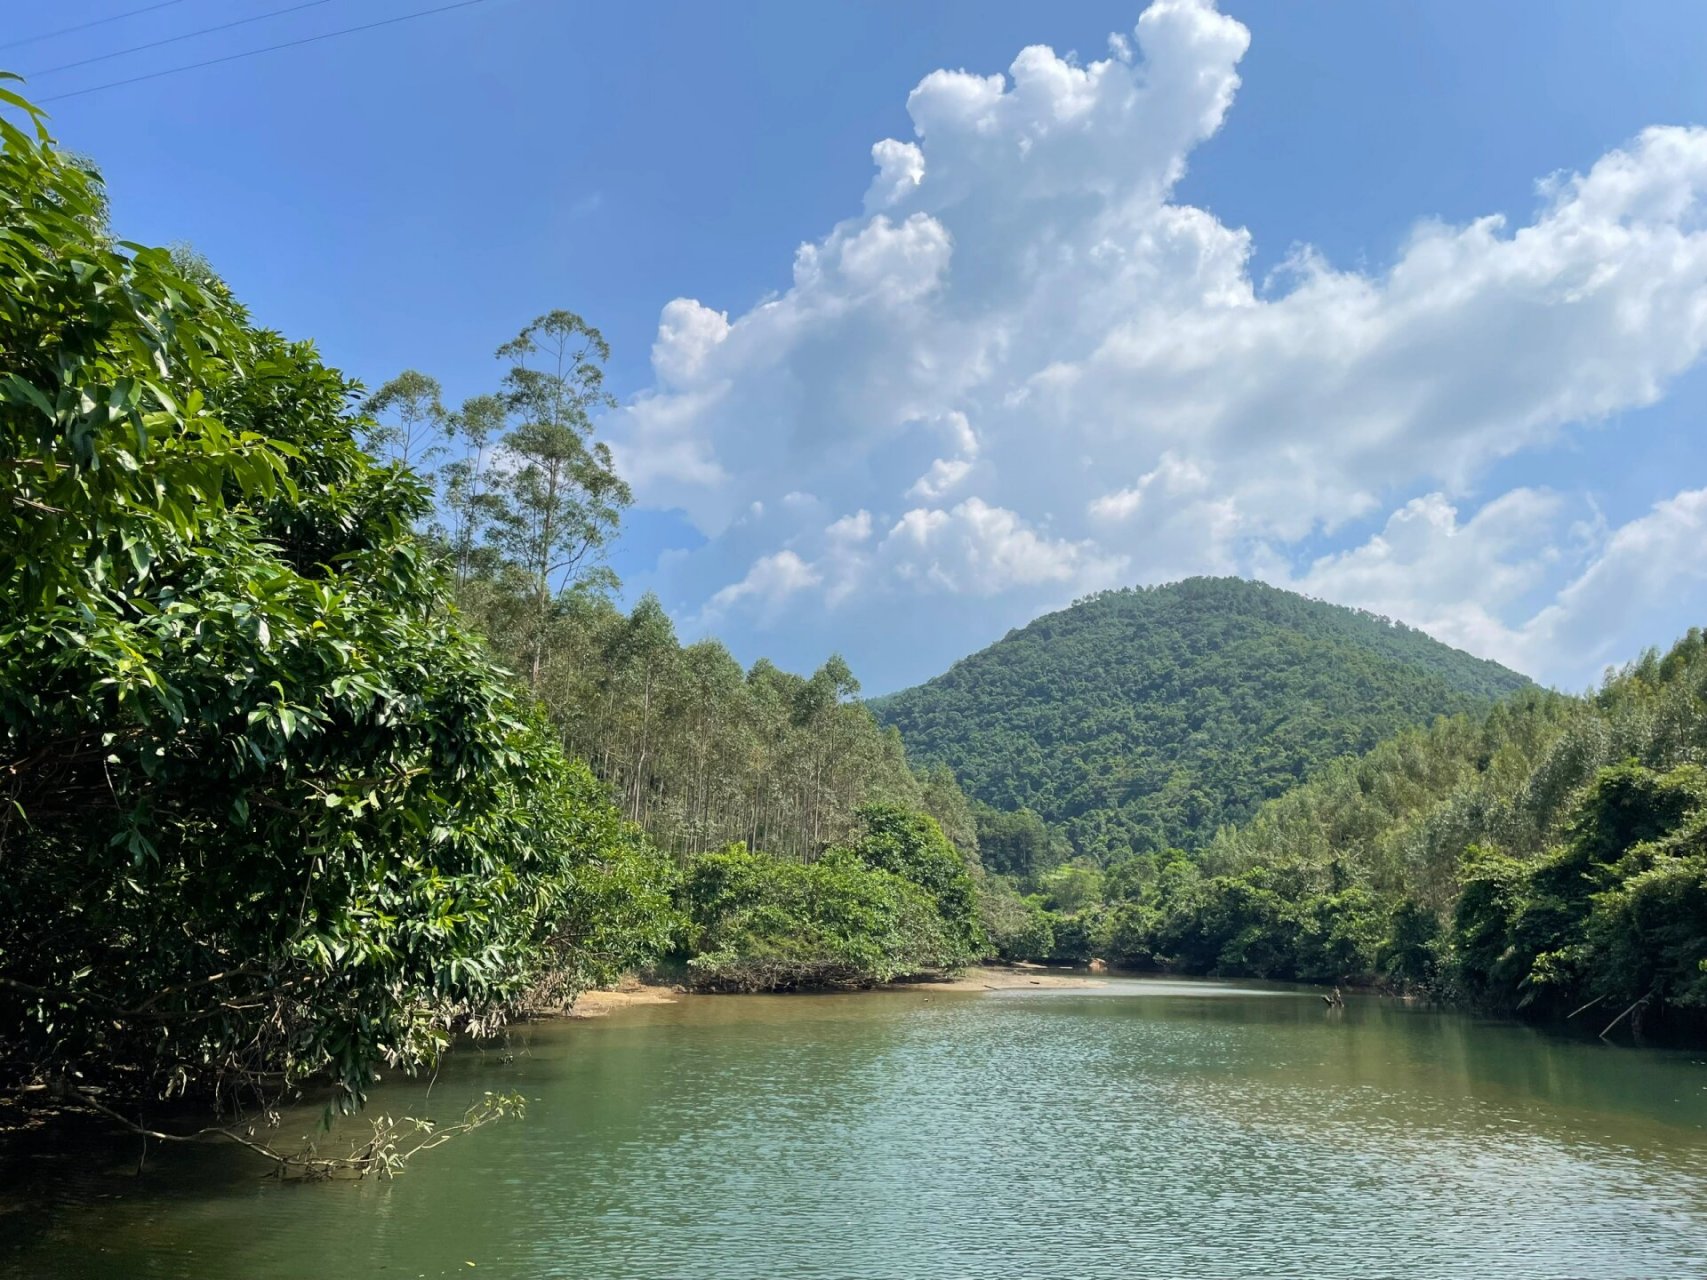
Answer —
1146 719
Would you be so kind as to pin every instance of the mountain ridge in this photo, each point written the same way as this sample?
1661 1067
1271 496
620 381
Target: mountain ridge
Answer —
1147 717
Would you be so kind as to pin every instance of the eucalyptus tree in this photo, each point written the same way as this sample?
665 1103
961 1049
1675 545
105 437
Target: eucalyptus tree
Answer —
642 655
467 502
408 416
562 497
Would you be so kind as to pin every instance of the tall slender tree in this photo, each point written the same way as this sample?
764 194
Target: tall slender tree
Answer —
563 497
468 505
408 421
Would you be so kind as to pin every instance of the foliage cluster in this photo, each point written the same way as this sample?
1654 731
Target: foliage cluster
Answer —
1545 855
897 901
702 754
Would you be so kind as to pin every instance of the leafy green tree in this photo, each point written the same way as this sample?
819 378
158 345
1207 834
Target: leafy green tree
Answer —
1017 929
468 506
1019 843
1131 931
412 437
1410 955
1076 939
268 815
761 923
1073 887
941 797
1581 921
911 845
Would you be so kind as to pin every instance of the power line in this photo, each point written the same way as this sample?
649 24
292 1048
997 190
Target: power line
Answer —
84 26
250 53
188 35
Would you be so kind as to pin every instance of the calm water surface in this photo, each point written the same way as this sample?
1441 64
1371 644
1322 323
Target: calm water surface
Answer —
1141 1129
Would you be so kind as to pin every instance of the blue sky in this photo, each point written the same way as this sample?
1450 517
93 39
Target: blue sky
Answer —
1217 301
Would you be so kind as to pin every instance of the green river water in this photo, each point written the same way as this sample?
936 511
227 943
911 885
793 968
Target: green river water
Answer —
1146 1128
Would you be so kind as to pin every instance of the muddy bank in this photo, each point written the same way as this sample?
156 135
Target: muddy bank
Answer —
631 992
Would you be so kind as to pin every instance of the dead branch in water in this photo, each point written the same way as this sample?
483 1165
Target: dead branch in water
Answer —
1632 1009
386 1151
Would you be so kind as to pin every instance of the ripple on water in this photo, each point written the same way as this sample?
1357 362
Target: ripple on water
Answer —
1190 1131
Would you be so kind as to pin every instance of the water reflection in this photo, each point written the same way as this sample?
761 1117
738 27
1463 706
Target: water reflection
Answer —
1167 1128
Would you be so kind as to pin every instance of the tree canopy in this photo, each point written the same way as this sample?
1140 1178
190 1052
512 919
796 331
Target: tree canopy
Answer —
1543 858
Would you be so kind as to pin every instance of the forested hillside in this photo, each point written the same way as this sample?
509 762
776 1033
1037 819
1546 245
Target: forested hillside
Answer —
1546 857
1147 718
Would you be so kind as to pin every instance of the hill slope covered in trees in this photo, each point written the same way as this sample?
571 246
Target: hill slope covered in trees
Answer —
1545 858
1147 718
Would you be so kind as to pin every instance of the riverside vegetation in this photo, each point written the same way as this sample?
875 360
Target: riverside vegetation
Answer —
1543 857
322 739
275 813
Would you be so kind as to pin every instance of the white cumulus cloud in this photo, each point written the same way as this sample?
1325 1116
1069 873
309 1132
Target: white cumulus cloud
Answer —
1491 584
770 581
1040 372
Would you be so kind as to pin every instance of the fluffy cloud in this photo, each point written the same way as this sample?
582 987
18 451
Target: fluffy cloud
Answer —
1453 578
770 581
1654 563
1038 371
976 549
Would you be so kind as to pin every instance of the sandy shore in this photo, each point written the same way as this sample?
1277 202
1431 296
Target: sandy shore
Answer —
631 991
625 995
1017 978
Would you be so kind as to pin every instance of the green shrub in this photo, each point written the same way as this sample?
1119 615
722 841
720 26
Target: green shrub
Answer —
762 923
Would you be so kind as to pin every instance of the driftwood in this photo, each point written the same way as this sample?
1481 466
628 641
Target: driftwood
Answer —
1583 1008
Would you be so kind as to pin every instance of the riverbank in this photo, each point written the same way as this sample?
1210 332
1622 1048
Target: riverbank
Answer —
627 994
632 992
1004 978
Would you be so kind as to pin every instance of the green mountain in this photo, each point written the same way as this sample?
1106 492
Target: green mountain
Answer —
1146 718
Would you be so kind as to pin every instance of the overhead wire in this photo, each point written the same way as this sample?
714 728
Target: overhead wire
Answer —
250 53
84 26
187 35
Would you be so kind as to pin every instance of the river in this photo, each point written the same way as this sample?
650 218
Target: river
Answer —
1143 1128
